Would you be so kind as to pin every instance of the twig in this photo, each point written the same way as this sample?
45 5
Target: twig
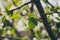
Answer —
21 6
31 8
50 4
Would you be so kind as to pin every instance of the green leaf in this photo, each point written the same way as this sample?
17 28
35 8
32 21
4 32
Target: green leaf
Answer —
8 6
19 3
47 10
32 22
15 14
3 32
12 31
31 25
0 10
56 9
25 8
3 19
30 15
0 31
49 18
16 1
10 13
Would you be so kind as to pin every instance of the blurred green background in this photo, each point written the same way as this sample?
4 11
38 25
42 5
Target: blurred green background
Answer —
26 23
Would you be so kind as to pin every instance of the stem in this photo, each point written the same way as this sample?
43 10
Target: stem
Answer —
44 17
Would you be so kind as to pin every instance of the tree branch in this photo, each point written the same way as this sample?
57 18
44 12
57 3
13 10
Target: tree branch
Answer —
31 8
50 4
44 18
21 6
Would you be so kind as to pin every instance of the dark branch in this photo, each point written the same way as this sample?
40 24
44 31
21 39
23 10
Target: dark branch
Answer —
57 12
21 6
31 8
44 18
50 4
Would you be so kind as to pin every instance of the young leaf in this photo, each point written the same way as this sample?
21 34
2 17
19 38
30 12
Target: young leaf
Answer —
12 31
16 1
15 14
32 22
25 8
48 10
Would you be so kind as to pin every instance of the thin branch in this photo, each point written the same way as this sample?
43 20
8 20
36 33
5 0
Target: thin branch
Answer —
31 8
50 4
21 6
57 12
44 18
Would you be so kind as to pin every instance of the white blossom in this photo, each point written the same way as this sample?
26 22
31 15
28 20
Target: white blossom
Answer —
37 29
55 15
20 26
34 39
24 12
1 24
5 39
55 2
8 32
44 32
55 20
